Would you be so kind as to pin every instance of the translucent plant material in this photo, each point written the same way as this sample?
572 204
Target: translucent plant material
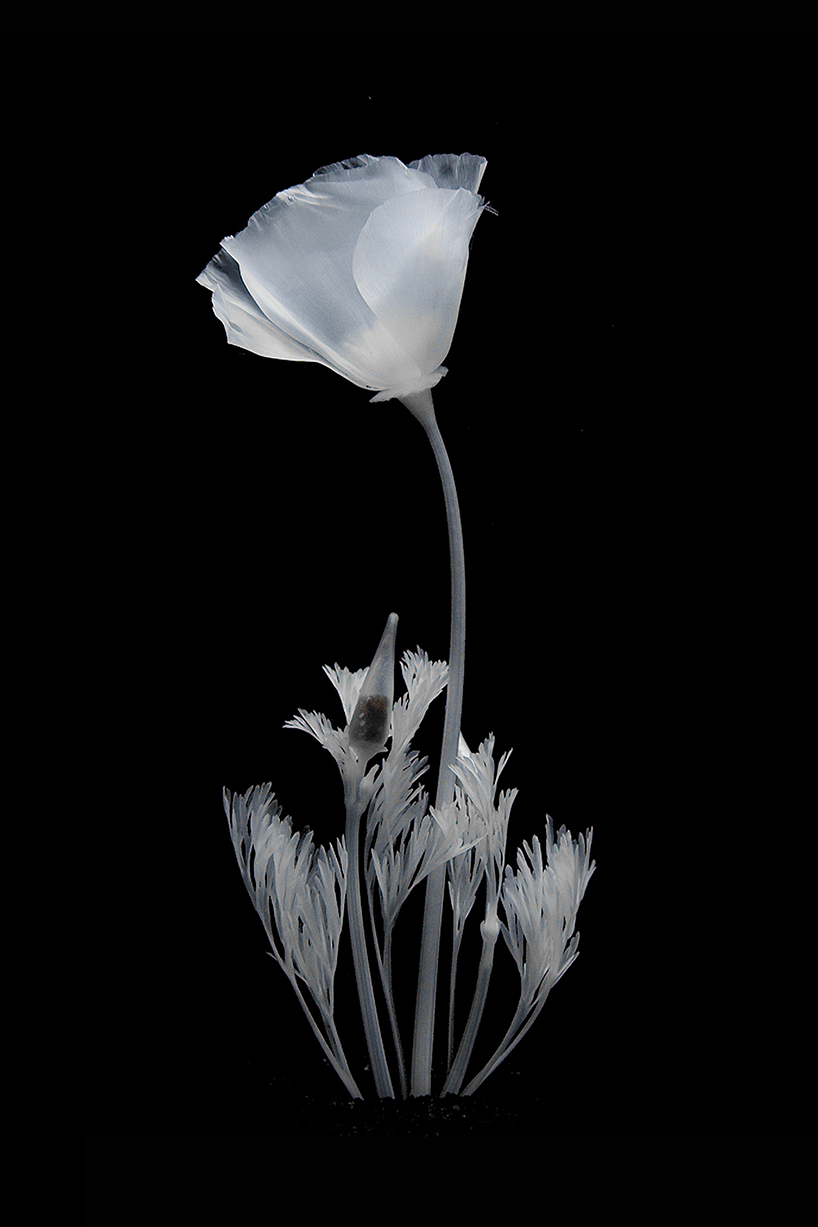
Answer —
360 268
372 717
540 904
301 892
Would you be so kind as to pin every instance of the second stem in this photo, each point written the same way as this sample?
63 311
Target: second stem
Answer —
420 404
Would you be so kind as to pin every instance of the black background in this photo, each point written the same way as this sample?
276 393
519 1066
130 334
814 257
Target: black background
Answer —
623 387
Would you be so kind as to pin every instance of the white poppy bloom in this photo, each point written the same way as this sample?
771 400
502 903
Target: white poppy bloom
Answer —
360 268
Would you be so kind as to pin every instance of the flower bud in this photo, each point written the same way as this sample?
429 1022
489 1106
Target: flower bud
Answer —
371 721
490 927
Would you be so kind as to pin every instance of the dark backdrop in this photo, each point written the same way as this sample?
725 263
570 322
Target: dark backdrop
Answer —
621 312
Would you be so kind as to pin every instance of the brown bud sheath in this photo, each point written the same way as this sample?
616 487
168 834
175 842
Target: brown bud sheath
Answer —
371 721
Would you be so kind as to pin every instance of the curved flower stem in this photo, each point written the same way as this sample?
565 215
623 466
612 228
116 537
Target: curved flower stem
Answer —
456 939
420 404
343 1065
385 965
523 1020
385 968
457 1071
333 1051
354 806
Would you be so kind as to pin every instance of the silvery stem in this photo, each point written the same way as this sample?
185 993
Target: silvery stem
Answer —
452 984
385 968
420 404
509 1041
457 1071
366 995
385 965
333 1050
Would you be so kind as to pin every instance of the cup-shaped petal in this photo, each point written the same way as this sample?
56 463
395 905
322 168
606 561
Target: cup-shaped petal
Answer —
360 268
295 257
409 266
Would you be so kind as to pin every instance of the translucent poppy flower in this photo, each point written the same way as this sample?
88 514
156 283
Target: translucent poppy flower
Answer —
360 268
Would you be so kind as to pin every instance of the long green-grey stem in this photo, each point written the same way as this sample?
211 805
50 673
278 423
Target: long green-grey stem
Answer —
335 1053
510 1040
457 1069
490 930
420 404
355 805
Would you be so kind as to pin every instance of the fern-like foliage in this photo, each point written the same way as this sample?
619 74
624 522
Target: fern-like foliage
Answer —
300 891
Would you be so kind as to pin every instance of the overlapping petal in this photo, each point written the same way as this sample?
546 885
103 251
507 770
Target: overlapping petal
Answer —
360 268
409 265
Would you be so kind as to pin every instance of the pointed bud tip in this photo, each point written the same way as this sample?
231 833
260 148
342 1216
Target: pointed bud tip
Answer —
387 643
370 724
390 630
